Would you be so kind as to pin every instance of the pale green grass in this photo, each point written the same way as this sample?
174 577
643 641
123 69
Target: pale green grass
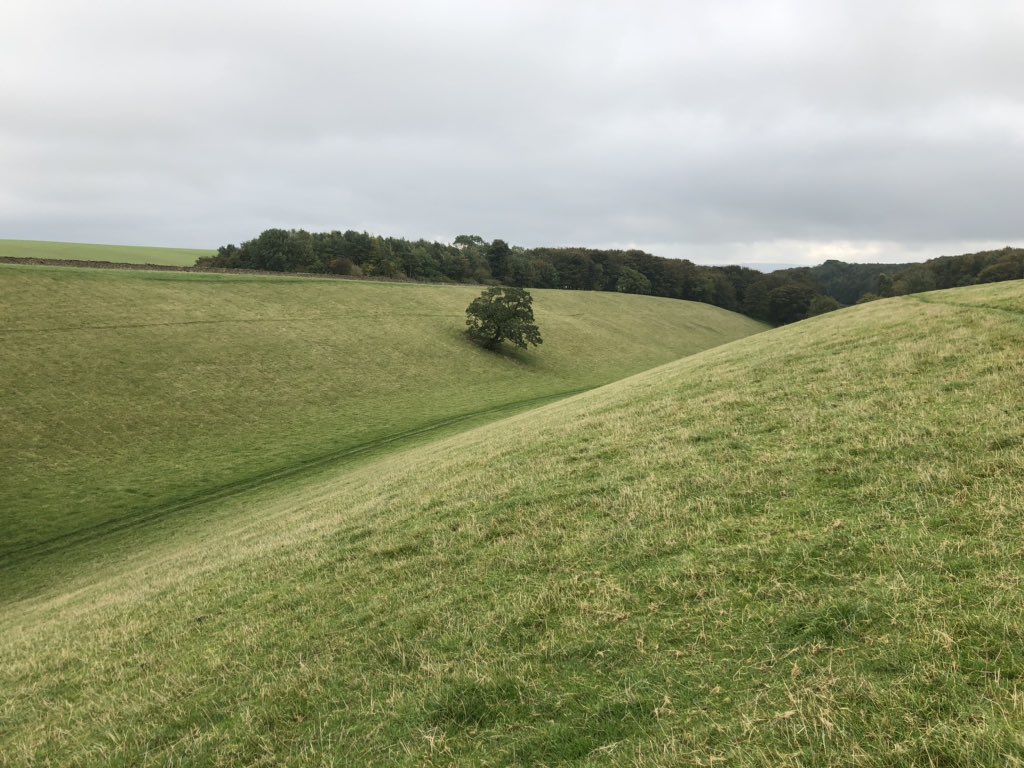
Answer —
124 254
130 396
801 548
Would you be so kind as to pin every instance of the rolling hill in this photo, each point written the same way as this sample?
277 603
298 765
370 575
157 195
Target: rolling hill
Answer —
124 254
135 396
800 548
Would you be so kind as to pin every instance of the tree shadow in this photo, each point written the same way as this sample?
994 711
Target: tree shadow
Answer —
504 351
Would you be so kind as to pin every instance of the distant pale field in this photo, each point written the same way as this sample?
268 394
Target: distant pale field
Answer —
124 254
805 547
132 396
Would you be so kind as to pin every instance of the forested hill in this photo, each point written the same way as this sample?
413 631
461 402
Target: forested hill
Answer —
847 282
853 283
779 297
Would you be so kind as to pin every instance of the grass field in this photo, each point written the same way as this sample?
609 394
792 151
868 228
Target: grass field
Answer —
801 548
122 254
131 396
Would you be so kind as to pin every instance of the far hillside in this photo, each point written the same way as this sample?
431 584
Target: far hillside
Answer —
804 548
135 395
122 254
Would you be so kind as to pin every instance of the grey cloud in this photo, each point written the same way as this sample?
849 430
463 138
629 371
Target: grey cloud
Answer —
739 130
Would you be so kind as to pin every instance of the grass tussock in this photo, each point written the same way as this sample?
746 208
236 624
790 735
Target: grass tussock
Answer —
802 548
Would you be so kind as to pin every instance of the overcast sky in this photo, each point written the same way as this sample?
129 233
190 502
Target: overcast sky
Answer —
724 132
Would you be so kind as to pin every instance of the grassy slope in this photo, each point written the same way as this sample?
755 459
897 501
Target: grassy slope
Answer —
129 254
129 393
802 548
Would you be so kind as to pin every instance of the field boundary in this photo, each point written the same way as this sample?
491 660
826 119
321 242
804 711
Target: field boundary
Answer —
224 321
129 266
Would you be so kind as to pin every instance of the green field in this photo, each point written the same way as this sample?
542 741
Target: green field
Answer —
122 254
804 547
132 396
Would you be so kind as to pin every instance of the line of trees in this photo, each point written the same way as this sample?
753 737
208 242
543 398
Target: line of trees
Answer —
779 297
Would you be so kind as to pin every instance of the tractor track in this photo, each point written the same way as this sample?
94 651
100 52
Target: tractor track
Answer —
963 305
143 517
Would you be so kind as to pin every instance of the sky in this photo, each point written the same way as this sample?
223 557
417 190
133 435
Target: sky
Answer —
727 132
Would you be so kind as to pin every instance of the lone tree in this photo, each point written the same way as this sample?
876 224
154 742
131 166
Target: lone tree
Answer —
501 313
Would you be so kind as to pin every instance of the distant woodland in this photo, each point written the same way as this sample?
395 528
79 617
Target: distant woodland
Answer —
780 297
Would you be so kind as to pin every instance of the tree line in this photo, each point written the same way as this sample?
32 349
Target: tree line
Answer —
780 297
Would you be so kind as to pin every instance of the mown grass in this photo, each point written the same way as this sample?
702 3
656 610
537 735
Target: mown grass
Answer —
131 396
122 254
801 548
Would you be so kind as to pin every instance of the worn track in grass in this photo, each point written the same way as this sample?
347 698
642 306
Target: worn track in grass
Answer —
332 459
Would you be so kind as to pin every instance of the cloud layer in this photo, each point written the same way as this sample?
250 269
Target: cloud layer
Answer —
736 131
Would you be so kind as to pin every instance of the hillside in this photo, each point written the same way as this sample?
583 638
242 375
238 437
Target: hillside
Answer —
800 548
124 254
131 396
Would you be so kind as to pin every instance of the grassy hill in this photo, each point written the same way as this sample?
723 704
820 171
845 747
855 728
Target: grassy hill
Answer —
132 396
123 254
800 548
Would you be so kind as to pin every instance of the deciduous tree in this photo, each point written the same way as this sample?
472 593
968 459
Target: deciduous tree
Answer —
501 313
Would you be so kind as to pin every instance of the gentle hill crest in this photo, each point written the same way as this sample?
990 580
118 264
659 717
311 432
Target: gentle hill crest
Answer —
123 254
799 548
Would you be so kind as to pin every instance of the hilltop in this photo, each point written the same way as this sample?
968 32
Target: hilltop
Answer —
799 548
123 254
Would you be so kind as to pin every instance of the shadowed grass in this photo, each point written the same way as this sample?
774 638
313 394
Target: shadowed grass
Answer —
801 548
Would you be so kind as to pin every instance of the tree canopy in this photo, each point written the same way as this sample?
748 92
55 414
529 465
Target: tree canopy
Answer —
499 314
